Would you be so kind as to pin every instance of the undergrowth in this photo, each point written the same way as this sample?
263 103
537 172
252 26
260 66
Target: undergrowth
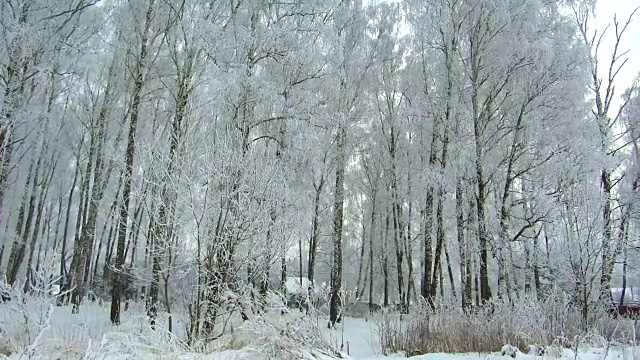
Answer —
449 329
32 326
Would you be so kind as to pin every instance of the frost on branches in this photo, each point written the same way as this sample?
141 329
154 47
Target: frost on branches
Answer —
172 166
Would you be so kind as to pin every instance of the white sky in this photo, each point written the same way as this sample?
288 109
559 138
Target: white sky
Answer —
605 11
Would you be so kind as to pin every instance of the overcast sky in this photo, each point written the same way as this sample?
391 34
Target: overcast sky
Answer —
605 11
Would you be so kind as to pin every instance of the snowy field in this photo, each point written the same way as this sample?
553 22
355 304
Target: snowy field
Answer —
38 330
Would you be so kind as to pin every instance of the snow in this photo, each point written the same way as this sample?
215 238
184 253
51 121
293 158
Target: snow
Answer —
89 335
293 285
630 353
508 350
359 337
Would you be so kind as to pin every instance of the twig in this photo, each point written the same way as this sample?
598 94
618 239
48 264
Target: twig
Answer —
32 348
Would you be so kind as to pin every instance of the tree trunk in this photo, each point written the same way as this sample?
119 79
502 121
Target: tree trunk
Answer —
465 286
397 226
527 269
336 271
111 218
359 284
135 228
441 280
155 277
315 231
476 279
608 257
399 256
624 276
36 226
485 291
623 237
76 273
139 76
11 102
16 256
300 270
437 258
536 267
283 274
371 233
63 250
385 260
450 272
87 238
409 242
428 228
80 218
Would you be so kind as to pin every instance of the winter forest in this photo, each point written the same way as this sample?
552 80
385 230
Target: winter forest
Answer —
215 174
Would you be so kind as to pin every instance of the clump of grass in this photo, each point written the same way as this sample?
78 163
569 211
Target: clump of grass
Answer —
435 332
6 348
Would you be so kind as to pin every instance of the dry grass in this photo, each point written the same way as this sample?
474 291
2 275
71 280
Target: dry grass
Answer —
529 322
6 349
437 332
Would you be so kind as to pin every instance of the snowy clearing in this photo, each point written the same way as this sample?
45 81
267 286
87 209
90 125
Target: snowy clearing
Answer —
89 335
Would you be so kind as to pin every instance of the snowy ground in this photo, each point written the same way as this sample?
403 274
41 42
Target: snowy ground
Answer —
89 335
587 354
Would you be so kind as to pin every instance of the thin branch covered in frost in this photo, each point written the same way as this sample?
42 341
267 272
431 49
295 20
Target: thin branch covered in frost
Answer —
288 339
43 326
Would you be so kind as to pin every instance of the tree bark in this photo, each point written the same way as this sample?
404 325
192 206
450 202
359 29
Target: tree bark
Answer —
399 256
371 233
428 227
485 290
315 231
336 271
450 273
437 258
409 241
385 260
139 78
359 284
465 286
18 248
36 226
81 261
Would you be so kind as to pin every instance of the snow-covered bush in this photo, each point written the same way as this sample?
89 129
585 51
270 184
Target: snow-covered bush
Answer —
32 325
24 319
286 338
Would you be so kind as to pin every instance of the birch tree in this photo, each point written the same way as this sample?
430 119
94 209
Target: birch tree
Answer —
603 90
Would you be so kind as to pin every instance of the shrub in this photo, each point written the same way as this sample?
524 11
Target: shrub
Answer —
6 348
487 328
284 339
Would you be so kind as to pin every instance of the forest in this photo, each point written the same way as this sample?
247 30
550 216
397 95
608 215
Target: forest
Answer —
193 156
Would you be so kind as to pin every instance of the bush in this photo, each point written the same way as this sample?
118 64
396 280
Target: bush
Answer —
449 329
284 339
